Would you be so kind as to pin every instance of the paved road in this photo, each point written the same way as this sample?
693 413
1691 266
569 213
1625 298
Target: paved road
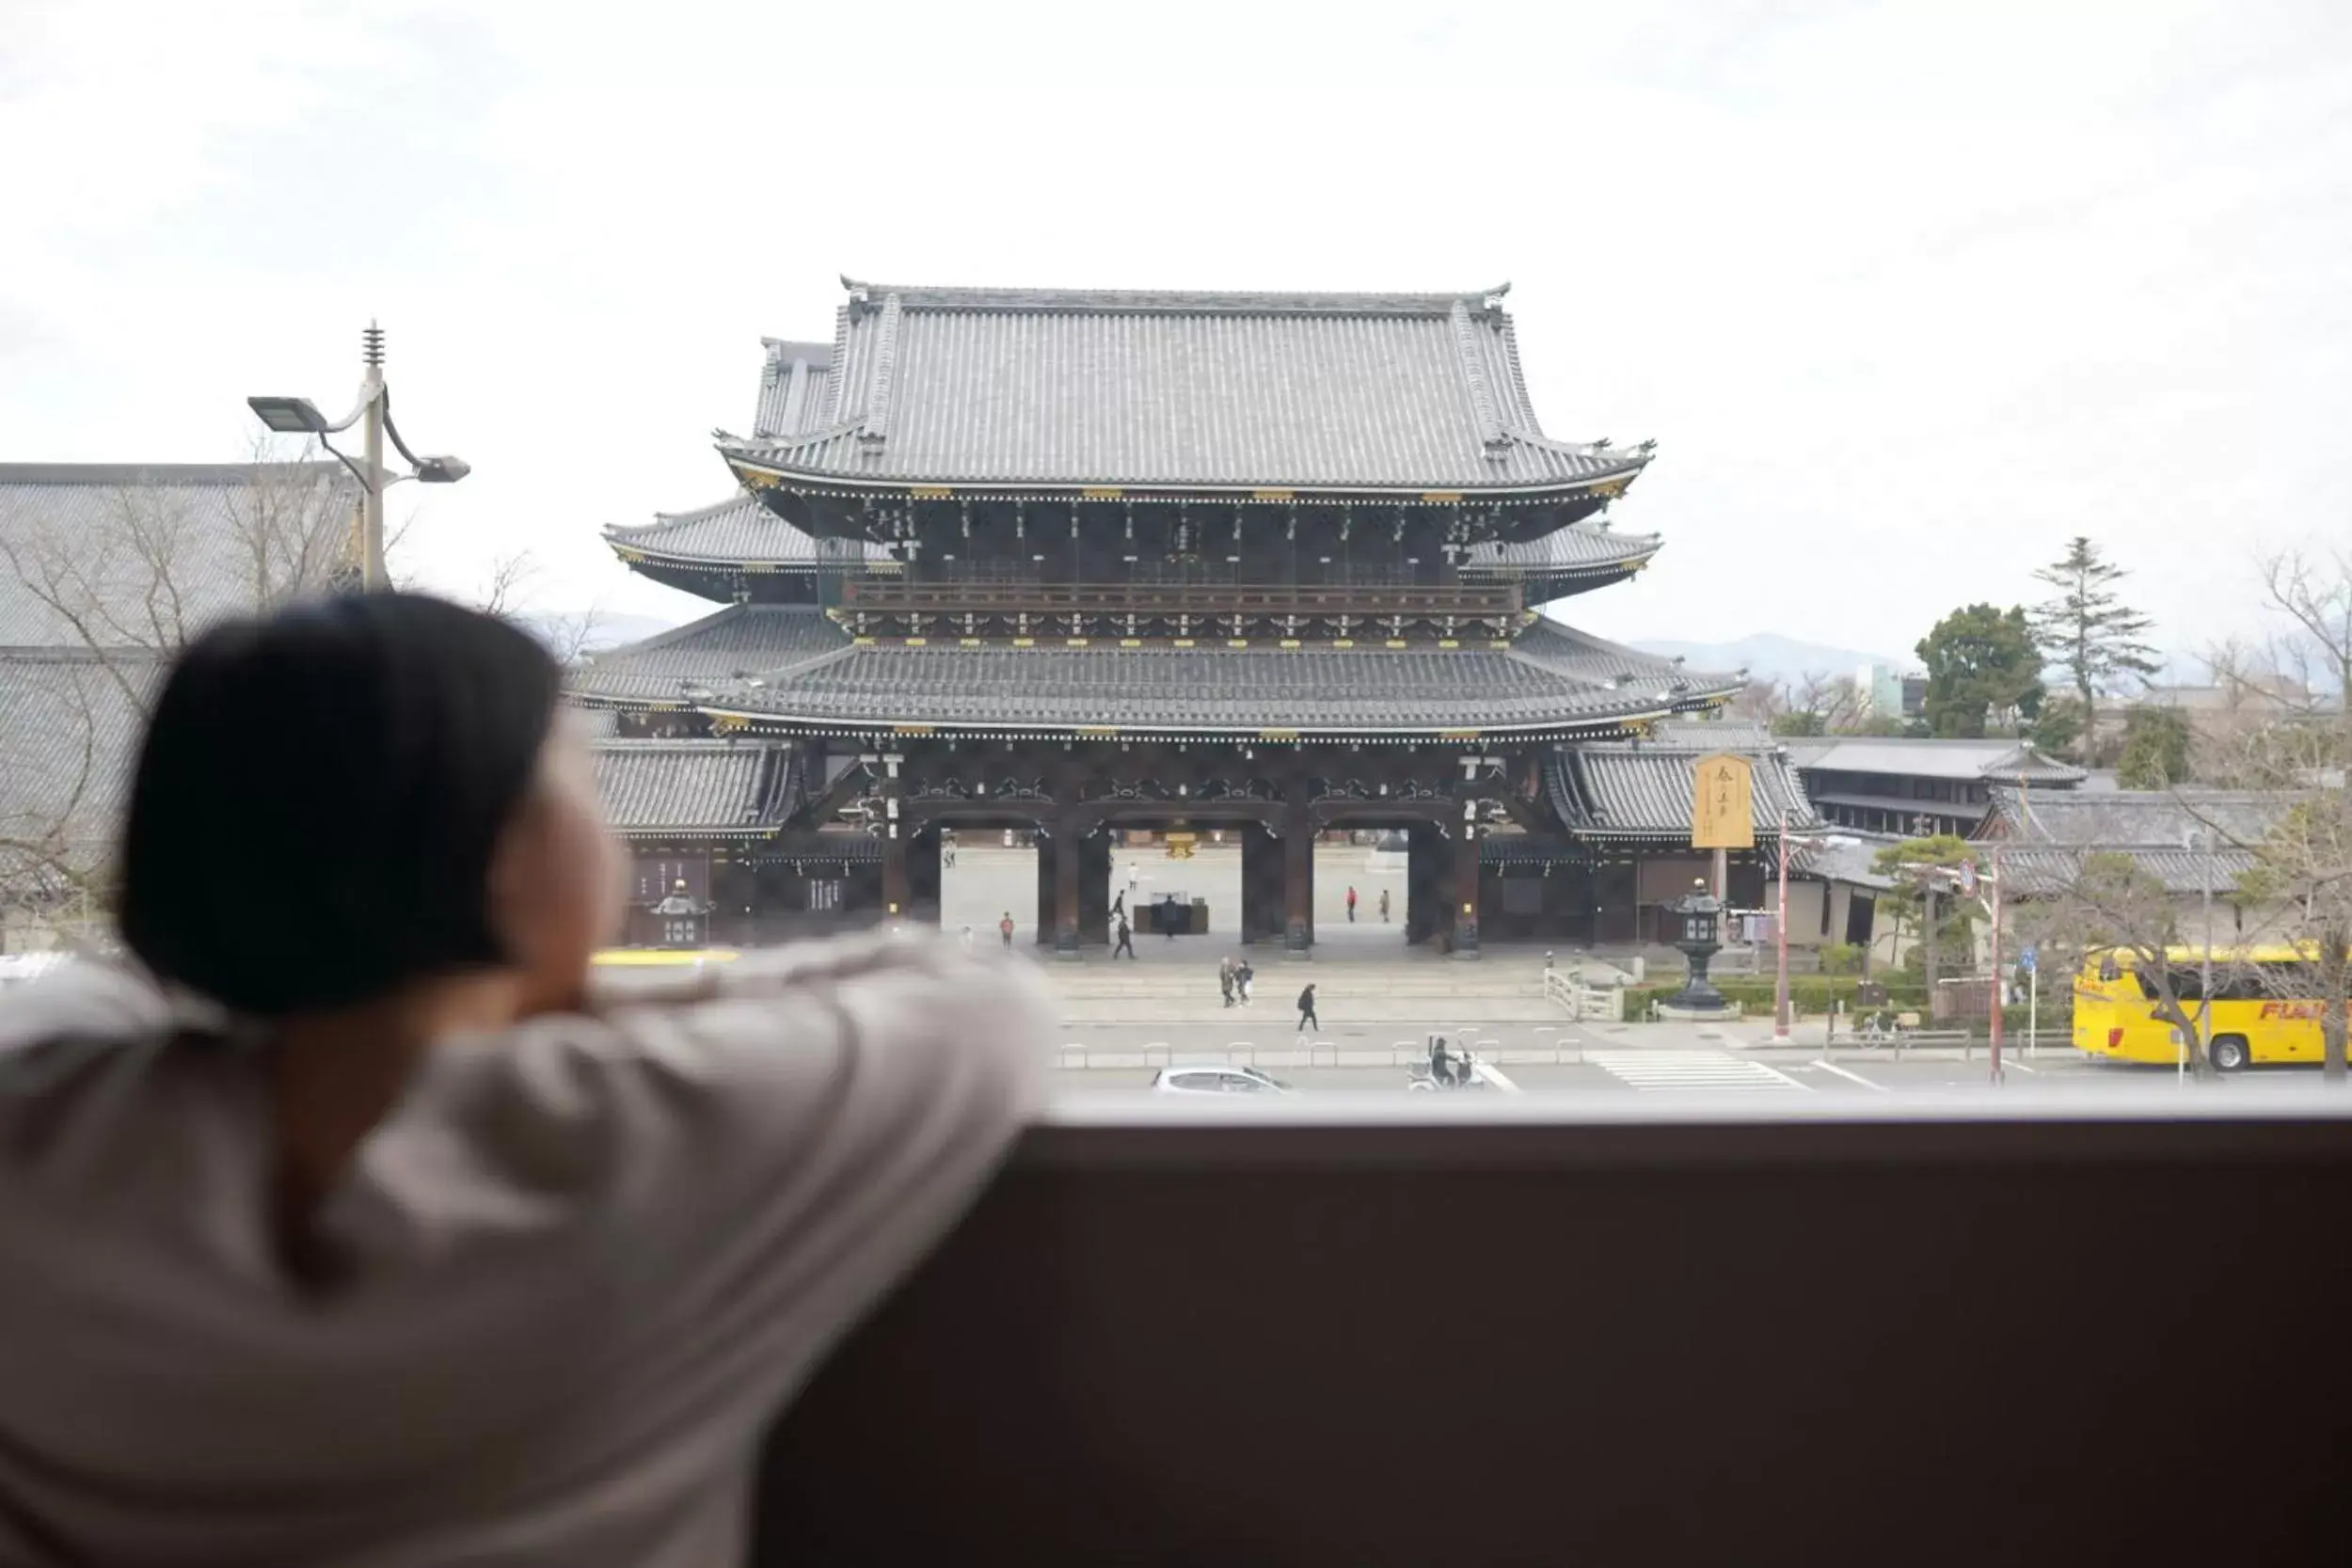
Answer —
1544 1060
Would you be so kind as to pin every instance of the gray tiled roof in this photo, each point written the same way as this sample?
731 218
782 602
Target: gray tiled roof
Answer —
1850 858
1581 547
2043 873
1553 677
656 787
738 642
2157 819
738 529
1076 387
794 663
70 725
792 388
1646 788
1995 758
127 555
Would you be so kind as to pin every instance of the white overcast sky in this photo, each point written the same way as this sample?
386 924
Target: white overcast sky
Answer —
1907 292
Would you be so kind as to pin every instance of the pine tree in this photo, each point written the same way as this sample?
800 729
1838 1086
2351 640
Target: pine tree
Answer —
1981 663
2087 630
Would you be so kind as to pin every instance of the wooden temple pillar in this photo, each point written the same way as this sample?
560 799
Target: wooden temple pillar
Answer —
1464 879
1066 851
1298 874
922 869
1045 840
1094 888
1425 883
1262 879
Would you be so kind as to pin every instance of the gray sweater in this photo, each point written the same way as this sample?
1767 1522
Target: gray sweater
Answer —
583 1262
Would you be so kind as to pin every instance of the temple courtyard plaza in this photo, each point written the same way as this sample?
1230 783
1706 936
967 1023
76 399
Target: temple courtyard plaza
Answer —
1379 1000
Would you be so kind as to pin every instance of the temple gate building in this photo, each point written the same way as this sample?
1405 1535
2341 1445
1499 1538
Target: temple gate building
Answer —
1078 563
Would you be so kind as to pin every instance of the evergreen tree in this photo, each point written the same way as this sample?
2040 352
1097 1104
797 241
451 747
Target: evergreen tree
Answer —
1980 661
2087 630
2155 748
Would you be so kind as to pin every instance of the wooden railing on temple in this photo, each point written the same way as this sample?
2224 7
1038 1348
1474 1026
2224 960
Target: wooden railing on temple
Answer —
900 595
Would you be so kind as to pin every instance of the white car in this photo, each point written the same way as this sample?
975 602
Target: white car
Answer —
1216 1080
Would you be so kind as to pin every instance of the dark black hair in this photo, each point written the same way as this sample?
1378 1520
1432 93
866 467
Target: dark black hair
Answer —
319 794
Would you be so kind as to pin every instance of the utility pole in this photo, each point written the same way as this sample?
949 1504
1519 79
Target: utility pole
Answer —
2000 995
373 572
291 416
1780 923
1930 965
2204 967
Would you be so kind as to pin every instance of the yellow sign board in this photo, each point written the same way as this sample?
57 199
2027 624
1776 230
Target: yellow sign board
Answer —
1723 815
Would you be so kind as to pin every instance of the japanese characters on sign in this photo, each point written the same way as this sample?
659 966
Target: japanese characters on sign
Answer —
1722 814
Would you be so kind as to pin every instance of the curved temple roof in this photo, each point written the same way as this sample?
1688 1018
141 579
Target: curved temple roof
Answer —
733 533
1084 387
793 668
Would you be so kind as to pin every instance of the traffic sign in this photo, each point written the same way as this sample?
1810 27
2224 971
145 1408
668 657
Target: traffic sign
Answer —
2024 958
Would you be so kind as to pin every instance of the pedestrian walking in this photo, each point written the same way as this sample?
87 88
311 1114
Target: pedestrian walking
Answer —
1384 906
1118 905
1134 877
1004 929
967 938
1307 1018
1126 939
1169 915
1351 906
1243 974
1225 979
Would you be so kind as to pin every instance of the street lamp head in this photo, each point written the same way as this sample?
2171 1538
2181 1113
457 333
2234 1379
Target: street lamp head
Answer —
291 416
442 470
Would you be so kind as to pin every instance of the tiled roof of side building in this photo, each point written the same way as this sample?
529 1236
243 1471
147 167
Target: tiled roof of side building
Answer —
1643 789
739 643
2049 873
2161 819
677 787
70 725
1334 391
146 555
1995 758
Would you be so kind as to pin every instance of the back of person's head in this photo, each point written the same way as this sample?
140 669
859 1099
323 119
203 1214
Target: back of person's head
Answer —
320 796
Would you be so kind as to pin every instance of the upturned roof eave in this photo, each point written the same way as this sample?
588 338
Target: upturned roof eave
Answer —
1251 732
779 471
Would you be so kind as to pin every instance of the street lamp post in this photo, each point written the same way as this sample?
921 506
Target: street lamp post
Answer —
301 416
1780 923
2001 994
2201 840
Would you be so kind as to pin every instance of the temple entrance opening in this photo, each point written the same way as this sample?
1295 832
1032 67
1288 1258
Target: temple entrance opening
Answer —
1180 886
990 871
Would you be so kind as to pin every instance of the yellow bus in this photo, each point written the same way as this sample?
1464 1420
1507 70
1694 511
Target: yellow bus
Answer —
663 957
2265 1007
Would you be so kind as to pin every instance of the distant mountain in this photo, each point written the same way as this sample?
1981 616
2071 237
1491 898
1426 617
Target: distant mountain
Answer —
610 631
582 631
1769 655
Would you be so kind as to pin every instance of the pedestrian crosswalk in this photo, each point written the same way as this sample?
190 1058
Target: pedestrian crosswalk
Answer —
1713 1070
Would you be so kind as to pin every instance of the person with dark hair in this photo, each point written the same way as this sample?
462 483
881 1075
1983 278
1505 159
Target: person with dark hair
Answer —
350 1221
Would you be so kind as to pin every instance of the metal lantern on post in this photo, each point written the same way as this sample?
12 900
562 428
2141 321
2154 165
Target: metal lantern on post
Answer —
685 919
1698 937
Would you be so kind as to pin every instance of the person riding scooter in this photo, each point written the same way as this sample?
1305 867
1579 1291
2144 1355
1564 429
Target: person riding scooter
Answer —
1441 1069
